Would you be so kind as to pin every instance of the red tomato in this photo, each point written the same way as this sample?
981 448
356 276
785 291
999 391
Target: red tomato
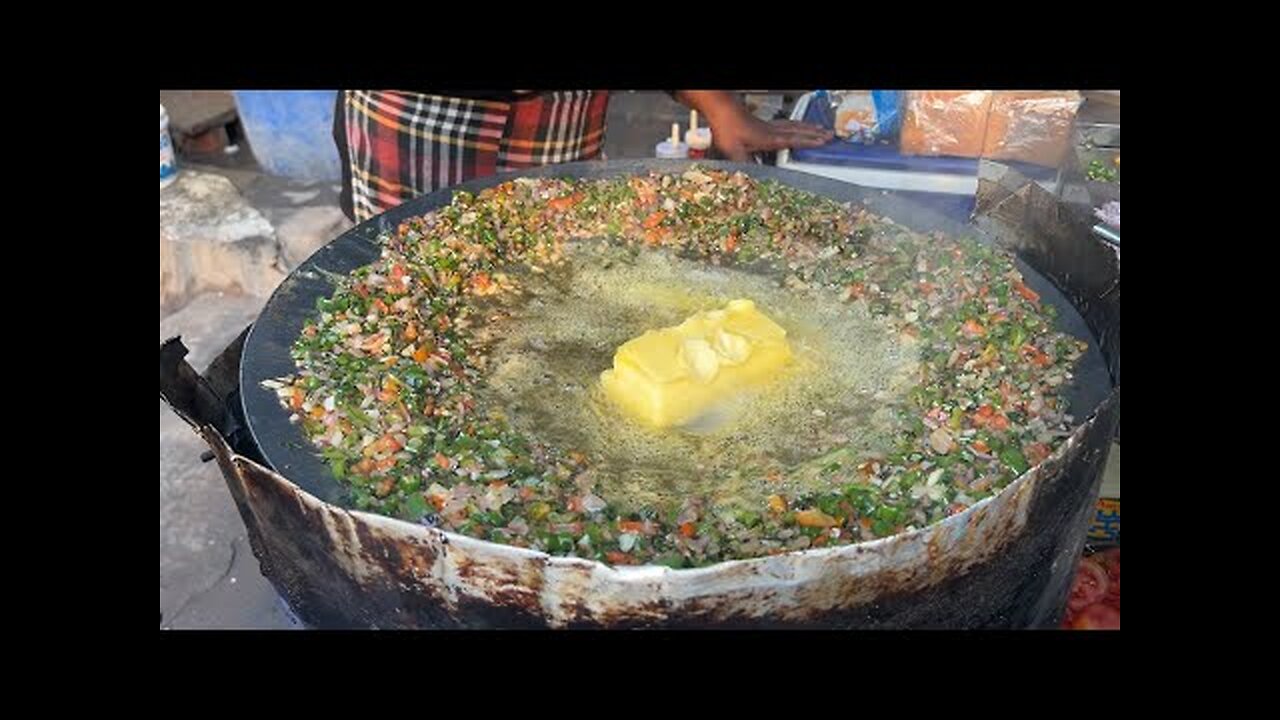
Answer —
1097 617
1110 559
1089 587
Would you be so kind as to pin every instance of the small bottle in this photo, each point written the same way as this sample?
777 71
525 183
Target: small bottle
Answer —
672 148
697 138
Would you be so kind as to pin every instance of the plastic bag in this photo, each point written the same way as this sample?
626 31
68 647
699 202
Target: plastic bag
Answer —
1031 126
888 110
866 117
945 122
1109 214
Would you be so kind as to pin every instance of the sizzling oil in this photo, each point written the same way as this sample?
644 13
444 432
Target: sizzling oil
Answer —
832 405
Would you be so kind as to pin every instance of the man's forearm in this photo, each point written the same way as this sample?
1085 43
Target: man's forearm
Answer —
737 133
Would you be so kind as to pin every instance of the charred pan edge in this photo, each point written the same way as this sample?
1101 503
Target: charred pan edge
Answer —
1056 240
1001 563
1005 562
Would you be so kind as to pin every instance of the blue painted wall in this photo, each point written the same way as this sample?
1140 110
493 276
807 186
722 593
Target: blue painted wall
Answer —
291 132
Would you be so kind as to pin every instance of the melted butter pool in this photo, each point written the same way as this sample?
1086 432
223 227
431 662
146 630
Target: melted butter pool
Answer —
831 406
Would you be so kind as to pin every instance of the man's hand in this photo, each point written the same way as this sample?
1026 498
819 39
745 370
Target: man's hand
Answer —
736 138
737 133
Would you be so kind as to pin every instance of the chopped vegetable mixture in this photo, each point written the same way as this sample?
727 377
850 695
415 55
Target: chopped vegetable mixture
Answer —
387 376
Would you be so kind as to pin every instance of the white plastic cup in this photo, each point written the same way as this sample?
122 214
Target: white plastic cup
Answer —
699 141
168 167
667 151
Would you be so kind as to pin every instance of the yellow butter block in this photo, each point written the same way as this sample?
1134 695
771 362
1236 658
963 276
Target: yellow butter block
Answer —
671 376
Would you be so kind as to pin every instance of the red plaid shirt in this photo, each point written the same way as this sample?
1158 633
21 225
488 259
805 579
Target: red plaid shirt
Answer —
398 145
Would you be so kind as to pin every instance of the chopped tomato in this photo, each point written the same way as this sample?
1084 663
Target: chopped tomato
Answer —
654 220
1027 292
972 328
688 529
1089 586
1097 617
1039 358
1035 452
561 204
730 243
443 462
296 398
616 557
982 447
1110 561
986 416
481 281
385 444
632 526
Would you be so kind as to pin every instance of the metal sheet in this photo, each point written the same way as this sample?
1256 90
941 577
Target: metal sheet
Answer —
1006 562
267 349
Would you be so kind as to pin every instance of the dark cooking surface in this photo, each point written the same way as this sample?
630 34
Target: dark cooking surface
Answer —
266 352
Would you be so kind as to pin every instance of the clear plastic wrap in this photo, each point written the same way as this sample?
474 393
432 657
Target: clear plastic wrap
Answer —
1031 126
1109 214
945 122
866 116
